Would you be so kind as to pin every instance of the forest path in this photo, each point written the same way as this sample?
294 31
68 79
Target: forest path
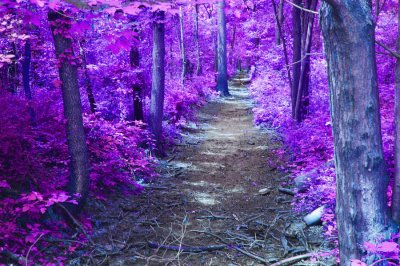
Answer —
209 196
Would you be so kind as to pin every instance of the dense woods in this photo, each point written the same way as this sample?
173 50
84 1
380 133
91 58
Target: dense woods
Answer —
96 96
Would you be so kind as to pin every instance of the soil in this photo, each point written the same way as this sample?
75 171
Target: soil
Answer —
208 199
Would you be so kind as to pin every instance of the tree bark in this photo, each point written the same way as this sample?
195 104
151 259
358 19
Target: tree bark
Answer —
296 59
88 84
361 174
196 38
158 79
222 79
284 46
182 44
12 71
279 22
137 86
26 64
76 139
302 96
396 187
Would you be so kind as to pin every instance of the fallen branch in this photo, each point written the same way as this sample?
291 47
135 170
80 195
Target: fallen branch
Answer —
14 257
77 223
293 259
286 191
189 249
249 254
30 248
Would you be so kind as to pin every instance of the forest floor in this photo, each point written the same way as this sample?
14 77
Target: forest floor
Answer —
217 202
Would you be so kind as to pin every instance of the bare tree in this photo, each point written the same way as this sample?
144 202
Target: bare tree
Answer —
76 139
222 80
158 79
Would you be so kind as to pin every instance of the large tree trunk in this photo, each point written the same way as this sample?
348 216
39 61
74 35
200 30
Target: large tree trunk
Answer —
158 79
76 139
222 80
279 22
361 175
296 59
26 64
396 187
88 84
196 38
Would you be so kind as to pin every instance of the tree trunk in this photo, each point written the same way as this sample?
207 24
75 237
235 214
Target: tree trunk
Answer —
13 70
396 187
137 86
88 84
232 60
284 46
279 22
296 59
76 139
302 96
222 80
26 63
182 44
158 79
361 174
196 38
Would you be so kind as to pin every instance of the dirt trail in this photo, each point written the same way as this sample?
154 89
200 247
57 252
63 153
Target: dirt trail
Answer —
208 198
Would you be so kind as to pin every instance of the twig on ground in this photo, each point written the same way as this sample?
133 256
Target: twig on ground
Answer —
212 216
77 223
190 249
171 159
254 218
286 191
30 248
284 245
249 254
293 259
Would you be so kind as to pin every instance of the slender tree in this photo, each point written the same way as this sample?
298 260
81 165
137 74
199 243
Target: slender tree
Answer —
396 187
196 39
209 10
222 80
88 84
279 21
158 78
285 52
76 139
26 64
12 70
137 85
182 44
361 175
301 103
296 58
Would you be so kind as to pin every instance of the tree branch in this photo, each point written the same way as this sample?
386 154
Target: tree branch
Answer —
391 52
302 8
